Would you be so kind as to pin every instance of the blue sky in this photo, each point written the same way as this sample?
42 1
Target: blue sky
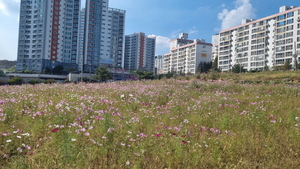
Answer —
163 18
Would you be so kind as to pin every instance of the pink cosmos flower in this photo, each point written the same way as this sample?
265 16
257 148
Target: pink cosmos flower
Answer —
54 130
184 142
158 135
143 135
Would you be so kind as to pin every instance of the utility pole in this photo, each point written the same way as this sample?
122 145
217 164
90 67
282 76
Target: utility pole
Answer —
295 55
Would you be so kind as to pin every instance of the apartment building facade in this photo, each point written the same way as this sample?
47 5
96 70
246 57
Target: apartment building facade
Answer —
80 60
186 55
159 64
48 34
139 52
104 35
269 41
215 48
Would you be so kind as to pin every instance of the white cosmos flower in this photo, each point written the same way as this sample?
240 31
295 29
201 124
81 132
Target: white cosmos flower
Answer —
25 134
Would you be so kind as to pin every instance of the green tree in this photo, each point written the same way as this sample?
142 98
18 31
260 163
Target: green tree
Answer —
287 65
26 71
144 74
15 81
215 63
58 70
204 67
238 68
102 74
2 73
12 69
266 68
169 75
46 71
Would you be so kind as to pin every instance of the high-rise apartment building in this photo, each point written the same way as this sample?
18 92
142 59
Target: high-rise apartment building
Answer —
104 35
186 55
139 52
81 39
269 41
48 34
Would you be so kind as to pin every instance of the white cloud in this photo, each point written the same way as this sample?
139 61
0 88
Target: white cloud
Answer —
162 44
9 7
193 30
9 14
175 34
243 10
3 9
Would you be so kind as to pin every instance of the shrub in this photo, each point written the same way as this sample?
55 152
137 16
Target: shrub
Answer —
49 81
15 81
34 81
2 82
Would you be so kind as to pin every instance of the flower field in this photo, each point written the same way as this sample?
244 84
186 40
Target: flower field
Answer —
150 124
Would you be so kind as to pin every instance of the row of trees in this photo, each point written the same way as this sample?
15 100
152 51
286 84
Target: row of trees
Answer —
238 68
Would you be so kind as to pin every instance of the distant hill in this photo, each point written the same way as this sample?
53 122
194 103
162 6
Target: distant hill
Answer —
5 64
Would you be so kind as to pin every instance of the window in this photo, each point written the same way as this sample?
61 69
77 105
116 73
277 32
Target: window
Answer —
290 21
291 14
281 17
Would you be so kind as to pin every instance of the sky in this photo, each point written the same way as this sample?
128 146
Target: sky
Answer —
164 19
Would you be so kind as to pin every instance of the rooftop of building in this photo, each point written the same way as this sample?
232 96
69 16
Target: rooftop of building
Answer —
294 8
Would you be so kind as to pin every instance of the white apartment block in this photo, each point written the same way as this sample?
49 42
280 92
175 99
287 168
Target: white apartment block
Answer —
269 41
159 64
48 34
139 52
215 48
186 55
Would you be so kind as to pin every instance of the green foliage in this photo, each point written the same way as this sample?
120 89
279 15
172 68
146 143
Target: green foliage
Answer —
204 67
67 81
215 63
2 73
102 74
49 81
85 79
169 75
278 68
238 68
287 66
2 82
16 80
12 69
26 71
57 70
34 81
266 68
143 74
47 70
70 69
